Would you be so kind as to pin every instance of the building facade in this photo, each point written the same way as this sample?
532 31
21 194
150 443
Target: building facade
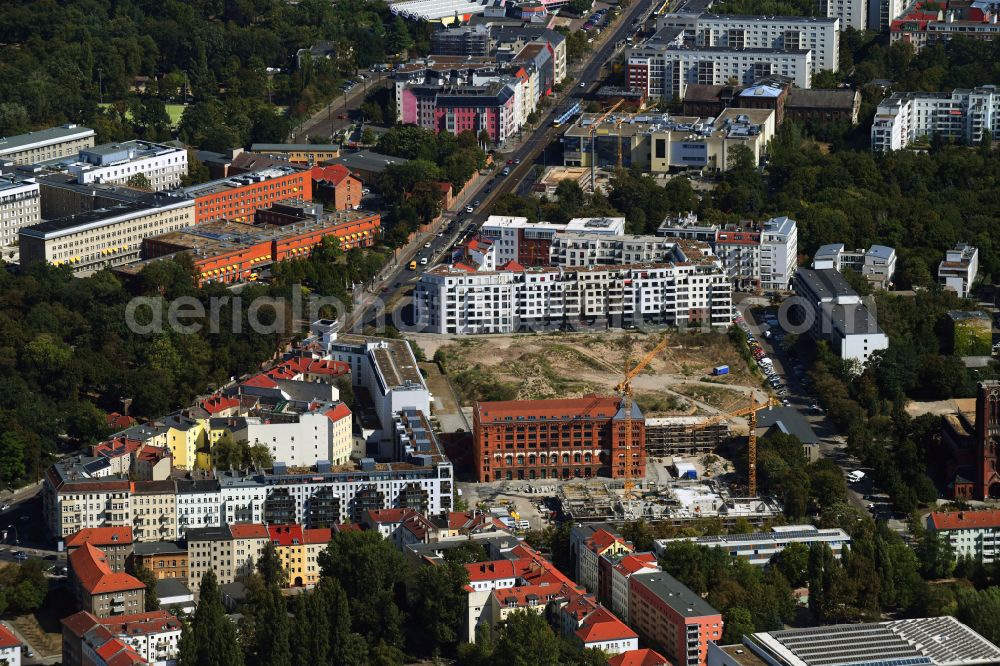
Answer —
336 185
833 311
165 559
93 240
47 144
760 547
116 163
973 535
231 551
673 619
877 264
101 591
821 35
154 510
239 197
573 438
20 206
959 269
115 542
963 114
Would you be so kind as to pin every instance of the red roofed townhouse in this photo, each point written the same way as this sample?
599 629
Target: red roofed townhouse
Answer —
673 619
625 568
643 657
118 422
115 542
971 534
154 635
101 591
221 405
601 630
556 439
530 598
336 185
10 647
598 544
86 641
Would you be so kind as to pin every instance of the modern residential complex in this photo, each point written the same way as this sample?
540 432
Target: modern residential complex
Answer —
455 299
883 13
934 641
959 269
659 142
557 439
755 256
962 115
530 244
852 13
663 65
877 264
105 237
833 311
672 619
47 144
760 547
820 35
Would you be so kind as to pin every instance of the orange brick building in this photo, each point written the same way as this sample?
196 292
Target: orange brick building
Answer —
336 185
556 439
669 616
233 252
238 197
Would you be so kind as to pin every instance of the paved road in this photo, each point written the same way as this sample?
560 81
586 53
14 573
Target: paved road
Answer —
460 224
336 115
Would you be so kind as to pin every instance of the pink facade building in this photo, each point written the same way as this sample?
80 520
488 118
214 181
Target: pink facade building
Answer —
458 109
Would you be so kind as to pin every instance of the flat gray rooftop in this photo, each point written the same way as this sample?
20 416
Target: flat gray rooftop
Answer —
52 134
676 594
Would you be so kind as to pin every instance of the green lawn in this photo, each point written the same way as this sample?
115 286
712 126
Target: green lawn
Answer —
175 111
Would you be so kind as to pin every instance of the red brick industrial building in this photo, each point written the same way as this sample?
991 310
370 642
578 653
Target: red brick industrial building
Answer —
556 439
337 186
973 441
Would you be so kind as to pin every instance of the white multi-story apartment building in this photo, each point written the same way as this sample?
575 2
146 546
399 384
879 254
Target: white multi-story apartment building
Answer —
821 35
663 66
625 568
569 249
833 311
757 256
529 244
974 535
961 114
877 263
695 291
300 440
959 269
760 547
115 163
852 13
47 144
20 206
197 504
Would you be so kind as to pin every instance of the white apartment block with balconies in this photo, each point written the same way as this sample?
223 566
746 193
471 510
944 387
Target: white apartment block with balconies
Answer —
20 206
664 70
821 35
852 13
877 264
963 115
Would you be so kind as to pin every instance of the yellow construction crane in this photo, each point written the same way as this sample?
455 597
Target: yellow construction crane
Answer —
593 141
624 389
751 414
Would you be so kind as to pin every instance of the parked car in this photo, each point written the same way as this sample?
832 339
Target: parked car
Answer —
468 209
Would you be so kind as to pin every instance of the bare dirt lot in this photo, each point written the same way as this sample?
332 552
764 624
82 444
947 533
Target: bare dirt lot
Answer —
566 365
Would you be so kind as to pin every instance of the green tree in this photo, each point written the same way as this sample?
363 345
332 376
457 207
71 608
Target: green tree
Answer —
227 453
438 597
270 569
526 639
212 634
793 563
469 552
147 578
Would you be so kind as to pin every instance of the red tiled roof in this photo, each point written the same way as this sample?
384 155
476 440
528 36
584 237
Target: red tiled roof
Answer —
305 365
580 606
100 536
341 411
7 639
317 535
80 623
261 381
376 516
602 626
151 622
462 266
96 486
965 520
219 403
635 563
588 406
118 421
285 535
332 174
153 453
90 567
347 527
248 531
444 187
512 266
643 657
522 595
116 446
495 570
602 539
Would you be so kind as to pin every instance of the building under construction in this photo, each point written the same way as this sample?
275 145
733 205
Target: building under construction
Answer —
677 435
677 504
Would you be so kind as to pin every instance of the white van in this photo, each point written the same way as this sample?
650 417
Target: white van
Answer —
523 525
855 476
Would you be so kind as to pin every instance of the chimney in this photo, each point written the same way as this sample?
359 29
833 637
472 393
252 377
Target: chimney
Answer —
126 405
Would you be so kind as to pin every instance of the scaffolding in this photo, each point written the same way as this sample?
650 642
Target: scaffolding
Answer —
673 436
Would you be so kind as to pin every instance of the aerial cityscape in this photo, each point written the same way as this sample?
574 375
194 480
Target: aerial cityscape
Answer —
500 332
